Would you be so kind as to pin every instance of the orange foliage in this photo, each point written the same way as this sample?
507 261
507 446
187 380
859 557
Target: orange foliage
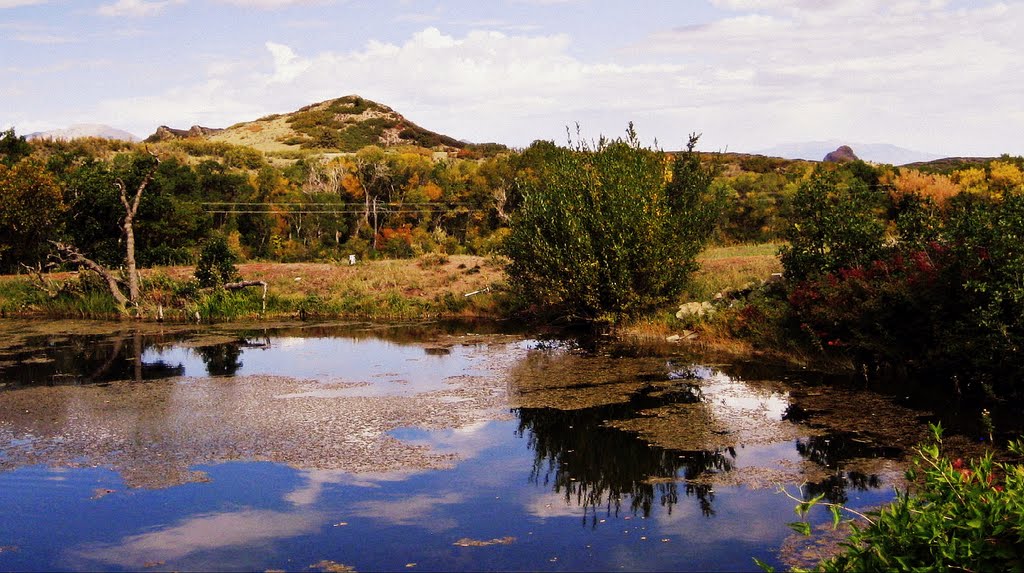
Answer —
432 190
939 188
404 233
352 186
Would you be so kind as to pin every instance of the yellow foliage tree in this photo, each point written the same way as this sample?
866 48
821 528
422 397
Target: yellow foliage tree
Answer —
30 207
972 180
1004 178
938 188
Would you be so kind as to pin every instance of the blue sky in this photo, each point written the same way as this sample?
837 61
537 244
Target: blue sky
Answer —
932 75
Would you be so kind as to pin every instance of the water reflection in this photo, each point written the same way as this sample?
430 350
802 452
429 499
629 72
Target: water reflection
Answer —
595 465
355 350
84 359
834 451
598 468
613 432
398 478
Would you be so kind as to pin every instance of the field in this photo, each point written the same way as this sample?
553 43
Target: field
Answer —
430 286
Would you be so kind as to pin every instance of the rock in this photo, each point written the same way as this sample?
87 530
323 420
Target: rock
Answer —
164 133
842 154
696 309
775 279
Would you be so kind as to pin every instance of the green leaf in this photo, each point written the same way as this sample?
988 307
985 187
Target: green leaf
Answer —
834 509
801 527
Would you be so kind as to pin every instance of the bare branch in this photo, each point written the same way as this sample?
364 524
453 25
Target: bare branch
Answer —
41 282
72 255
244 284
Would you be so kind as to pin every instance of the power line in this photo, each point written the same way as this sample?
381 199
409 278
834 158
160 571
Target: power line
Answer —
343 212
315 208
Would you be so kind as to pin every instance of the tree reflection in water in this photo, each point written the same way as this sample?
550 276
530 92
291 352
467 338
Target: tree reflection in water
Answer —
595 466
833 451
225 359
84 359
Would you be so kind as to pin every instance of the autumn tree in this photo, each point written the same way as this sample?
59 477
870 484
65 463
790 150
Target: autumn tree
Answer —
31 205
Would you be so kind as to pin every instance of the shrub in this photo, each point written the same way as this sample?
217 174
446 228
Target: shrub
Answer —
946 297
396 243
602 234
966 516
835 226
216 264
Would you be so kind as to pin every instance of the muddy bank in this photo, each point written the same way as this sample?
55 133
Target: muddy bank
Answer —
154 431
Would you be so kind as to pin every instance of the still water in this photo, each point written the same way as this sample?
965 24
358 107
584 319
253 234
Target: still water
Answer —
428 447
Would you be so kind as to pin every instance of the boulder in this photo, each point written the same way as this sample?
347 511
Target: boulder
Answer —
695 309
842 154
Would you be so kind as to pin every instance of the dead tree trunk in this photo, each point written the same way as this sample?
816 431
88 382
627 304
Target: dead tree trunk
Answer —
131 208
67 253
244 284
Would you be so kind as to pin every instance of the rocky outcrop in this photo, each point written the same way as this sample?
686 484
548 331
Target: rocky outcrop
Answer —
842 154
164 133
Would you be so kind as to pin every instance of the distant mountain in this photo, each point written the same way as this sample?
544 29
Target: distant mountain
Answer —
874 152
345 124
84 130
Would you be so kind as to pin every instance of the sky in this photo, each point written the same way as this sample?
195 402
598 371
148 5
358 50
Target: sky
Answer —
938 76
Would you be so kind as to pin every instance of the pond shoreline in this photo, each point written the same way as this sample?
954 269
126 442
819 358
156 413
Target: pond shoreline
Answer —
603 422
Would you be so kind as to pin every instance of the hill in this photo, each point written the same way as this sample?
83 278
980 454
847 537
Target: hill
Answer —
345 124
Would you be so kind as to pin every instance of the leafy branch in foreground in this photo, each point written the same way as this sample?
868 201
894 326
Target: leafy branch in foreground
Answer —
967 516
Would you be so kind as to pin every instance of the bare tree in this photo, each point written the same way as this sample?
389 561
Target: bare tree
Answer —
131 208
70 254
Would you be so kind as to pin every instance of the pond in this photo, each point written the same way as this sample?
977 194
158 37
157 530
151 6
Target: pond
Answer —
421 447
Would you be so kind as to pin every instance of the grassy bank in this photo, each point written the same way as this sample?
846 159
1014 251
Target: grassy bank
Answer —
432 286
428 287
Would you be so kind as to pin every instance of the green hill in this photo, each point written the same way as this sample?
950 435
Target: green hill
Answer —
341 125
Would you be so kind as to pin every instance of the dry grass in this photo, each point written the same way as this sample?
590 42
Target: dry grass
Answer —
428 287
266 138
732 267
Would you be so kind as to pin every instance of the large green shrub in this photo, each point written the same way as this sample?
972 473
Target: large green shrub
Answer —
941 293
834 226
602 232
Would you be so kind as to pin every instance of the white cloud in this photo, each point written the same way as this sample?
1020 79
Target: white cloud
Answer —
203 533
135 8
286 64
19 3
771 71
272 4
30 38
875 71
